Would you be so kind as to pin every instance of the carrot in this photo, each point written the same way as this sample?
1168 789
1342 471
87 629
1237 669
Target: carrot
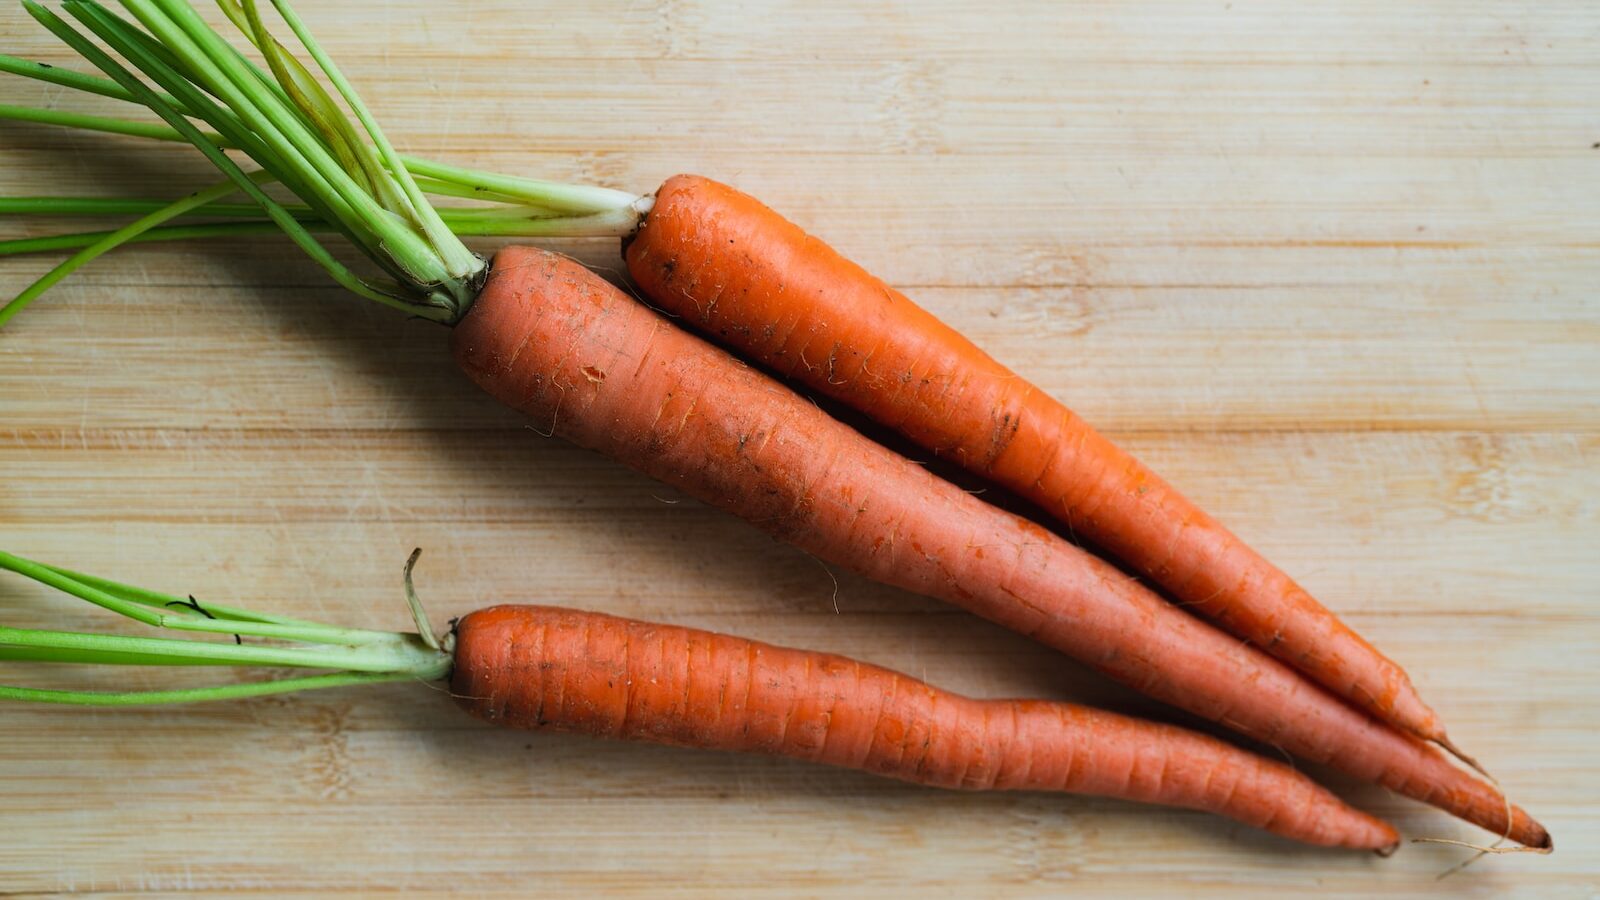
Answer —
734 269
555 341
559 669
556 669
586 362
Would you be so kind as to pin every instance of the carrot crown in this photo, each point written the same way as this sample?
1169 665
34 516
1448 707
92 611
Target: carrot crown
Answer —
335 159
352 655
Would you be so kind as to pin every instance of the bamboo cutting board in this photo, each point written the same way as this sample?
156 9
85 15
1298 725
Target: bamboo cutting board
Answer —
1332 268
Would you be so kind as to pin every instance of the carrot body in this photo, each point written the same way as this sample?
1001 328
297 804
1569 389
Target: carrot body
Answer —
552 339
734 269
565 670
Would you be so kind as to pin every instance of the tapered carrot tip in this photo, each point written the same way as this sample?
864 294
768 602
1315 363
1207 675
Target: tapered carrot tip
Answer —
1542 841
1382 839
1524 829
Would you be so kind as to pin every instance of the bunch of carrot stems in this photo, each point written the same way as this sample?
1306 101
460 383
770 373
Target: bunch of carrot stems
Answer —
288 123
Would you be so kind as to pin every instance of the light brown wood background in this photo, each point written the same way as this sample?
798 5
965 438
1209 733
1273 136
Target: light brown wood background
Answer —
1331 267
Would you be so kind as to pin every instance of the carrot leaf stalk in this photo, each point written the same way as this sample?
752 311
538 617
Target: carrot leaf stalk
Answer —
349 177
110 240
353 655
245 220
418 614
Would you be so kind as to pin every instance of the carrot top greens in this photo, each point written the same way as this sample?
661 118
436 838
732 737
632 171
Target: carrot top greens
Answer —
355 656
349 178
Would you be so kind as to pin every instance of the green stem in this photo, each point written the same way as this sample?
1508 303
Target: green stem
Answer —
55 242
446 180
105 206
292 127
148 597
315 104
247 127
197 695
78 81
463 223
565 197
175 614
224 73
110 206
357 656
86 122
458 259
418 614
558 196
392 656
153 59
468 192
188 132
81 656
615 223
116 238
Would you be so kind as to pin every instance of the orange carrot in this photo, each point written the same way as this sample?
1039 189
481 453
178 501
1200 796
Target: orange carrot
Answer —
566 670
552 339
734 269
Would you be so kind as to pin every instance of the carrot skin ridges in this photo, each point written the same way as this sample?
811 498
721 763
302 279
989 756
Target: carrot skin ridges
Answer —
566 670
586 362
732 268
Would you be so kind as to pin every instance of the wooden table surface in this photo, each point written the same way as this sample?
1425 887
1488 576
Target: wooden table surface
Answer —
1332 268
